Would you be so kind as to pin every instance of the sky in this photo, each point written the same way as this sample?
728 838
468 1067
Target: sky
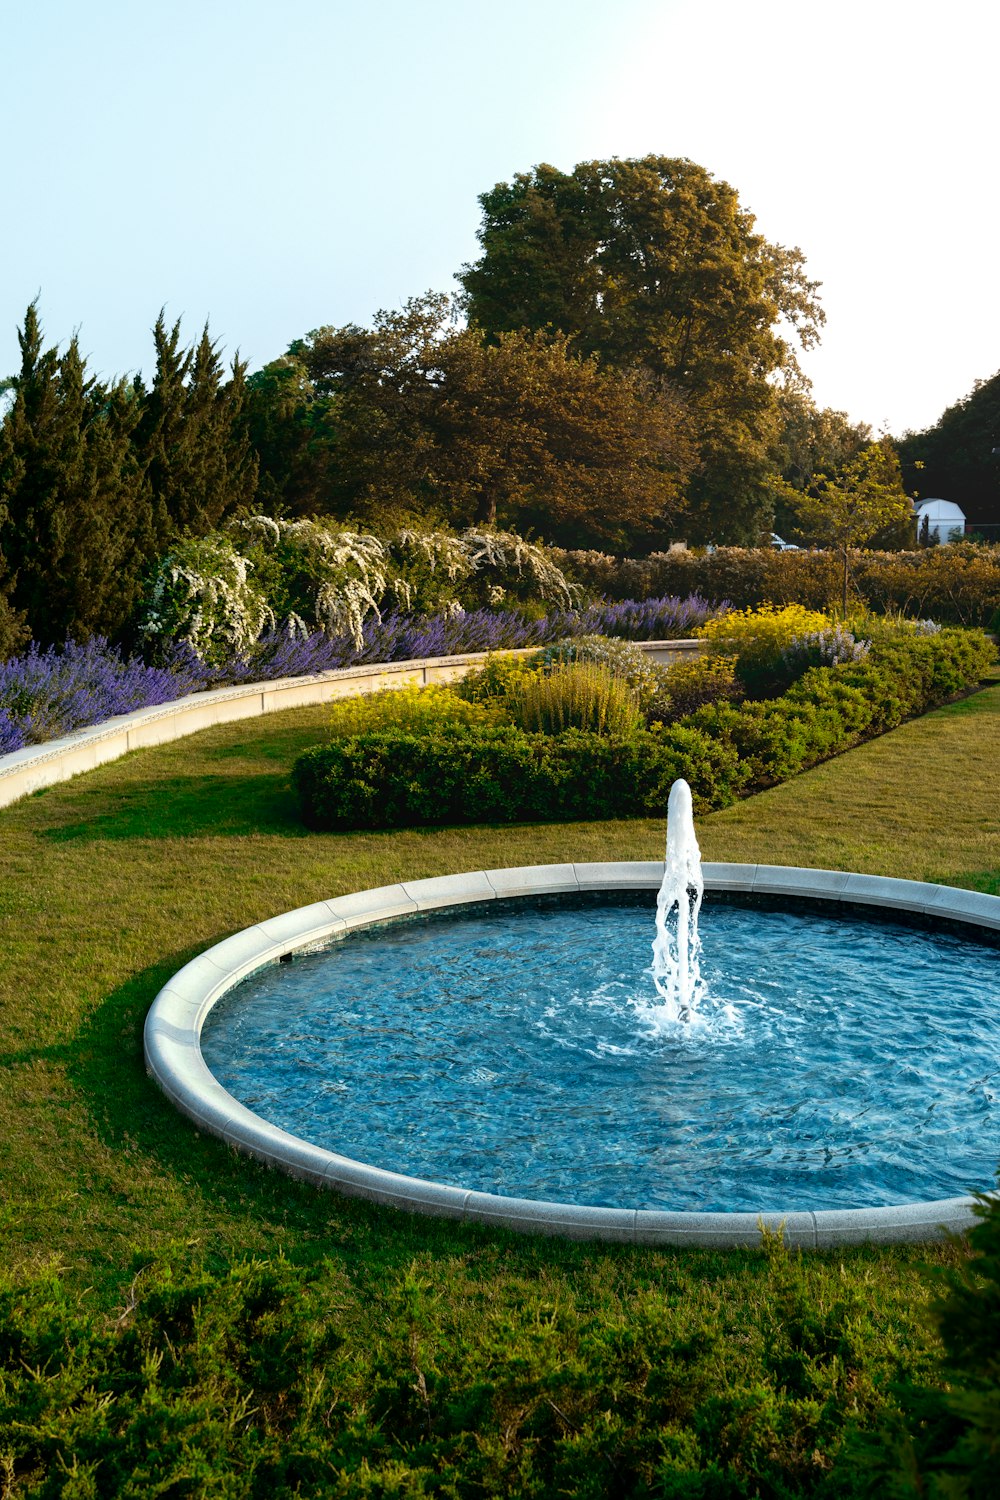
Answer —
273 168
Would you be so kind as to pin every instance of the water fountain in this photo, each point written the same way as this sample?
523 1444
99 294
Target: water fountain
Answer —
680 1027
677 945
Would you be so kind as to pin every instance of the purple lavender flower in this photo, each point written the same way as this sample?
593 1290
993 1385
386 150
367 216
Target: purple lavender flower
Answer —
11 734
45 694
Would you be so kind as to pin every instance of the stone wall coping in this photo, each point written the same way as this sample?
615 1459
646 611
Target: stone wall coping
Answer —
175 1062
25 771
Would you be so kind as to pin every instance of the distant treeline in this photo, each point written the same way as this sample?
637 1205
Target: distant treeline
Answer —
958 458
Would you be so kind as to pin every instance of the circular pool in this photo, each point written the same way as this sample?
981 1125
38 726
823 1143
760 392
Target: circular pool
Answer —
506 1061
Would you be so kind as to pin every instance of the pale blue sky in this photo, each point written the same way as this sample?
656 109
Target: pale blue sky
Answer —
274 167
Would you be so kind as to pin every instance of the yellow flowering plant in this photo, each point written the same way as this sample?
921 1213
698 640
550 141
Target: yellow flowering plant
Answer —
757 640
408 710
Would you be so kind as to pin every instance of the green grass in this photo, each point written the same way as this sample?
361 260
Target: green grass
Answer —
110 882
113 880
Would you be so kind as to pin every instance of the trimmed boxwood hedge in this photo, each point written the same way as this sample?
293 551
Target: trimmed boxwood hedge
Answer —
497 773
502 774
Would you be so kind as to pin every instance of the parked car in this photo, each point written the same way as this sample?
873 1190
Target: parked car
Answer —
780 545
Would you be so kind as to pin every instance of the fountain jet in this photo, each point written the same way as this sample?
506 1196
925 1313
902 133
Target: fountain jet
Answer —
677 947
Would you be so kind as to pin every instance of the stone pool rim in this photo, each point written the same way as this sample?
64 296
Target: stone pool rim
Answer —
174 1059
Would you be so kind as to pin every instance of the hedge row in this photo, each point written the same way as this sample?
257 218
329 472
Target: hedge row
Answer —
831 708
958 585
467 773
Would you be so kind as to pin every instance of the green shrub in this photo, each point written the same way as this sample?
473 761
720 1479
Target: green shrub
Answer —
457 774
689 685
579 695
733 1378
958 584
831 708
506 680
945 1441
501 774
759 641
497 678
624 659
776 740
413 710
745 576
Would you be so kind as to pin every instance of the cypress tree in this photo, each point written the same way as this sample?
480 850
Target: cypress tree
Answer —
193 440
77 514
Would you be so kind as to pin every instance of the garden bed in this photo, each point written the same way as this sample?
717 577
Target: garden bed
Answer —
450 770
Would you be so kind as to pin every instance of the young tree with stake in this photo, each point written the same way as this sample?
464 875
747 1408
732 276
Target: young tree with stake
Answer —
849 508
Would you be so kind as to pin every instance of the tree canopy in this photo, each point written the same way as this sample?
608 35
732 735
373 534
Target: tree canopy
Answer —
654 264
956 459
96 479
192 438
76 514
419 415
811 441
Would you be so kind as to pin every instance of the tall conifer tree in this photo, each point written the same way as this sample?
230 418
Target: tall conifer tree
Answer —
193 440
77 516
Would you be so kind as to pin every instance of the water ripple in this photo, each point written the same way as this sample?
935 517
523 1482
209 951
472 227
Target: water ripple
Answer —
834 1062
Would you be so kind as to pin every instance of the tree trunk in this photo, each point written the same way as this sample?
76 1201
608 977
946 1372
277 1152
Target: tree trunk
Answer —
846 568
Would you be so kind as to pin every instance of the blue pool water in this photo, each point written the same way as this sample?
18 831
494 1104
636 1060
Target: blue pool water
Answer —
838 1062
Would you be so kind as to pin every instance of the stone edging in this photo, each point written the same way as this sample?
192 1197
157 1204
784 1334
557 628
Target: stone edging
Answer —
174 1059
25 771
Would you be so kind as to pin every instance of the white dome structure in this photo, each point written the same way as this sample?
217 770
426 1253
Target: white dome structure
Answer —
945 520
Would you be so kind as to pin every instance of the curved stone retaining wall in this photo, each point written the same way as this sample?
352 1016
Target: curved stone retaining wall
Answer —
174 1059
24 771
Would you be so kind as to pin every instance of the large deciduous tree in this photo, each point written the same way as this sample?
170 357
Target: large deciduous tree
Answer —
293 433
419 416
653 264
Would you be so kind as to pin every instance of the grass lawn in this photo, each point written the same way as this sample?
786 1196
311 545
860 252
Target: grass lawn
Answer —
112 881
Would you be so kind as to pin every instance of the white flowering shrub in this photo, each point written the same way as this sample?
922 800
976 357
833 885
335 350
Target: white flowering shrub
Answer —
431 570
501 559
221 592
205 594
320 577
428 569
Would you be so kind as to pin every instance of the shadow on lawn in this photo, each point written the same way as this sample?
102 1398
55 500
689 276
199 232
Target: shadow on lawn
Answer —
987 881
213 806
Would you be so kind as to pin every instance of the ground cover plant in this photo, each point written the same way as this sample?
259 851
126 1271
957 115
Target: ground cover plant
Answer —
171 1315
